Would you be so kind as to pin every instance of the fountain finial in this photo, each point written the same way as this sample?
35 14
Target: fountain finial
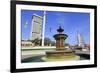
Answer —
60 29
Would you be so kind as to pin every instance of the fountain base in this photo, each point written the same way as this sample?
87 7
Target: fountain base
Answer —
60 55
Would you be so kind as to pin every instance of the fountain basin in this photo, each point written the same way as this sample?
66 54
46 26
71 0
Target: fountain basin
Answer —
60 55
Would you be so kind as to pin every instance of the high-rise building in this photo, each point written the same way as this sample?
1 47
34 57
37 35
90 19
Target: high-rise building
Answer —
36 30
80 40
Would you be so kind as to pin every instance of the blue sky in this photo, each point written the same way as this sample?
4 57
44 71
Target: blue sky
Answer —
71 22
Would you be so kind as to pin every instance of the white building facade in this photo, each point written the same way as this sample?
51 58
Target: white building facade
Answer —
36 30
80 41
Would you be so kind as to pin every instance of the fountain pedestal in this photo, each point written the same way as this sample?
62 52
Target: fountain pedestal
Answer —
60 53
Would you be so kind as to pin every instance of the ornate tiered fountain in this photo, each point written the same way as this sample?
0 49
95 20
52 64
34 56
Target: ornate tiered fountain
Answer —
60 53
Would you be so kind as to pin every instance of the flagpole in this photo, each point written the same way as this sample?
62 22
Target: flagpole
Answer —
44 17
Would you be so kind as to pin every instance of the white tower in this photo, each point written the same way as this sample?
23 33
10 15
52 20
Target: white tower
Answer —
36 30
80 41
44 19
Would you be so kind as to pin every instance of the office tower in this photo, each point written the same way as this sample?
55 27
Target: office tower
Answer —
36 30
80 40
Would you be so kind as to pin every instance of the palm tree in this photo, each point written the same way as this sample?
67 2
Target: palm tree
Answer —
36 42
